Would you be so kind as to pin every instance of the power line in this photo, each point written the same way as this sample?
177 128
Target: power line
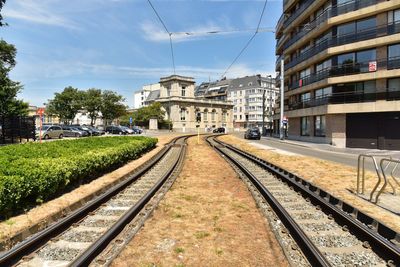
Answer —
169 33
248 42
224 31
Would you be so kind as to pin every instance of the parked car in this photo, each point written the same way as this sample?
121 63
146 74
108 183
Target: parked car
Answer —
219 130
50 131
98 131
127 130
137 130
115 130
252 133
70 131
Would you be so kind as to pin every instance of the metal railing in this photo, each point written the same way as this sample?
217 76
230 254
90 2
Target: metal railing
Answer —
346 98
370 33
346 69
328 13
386 163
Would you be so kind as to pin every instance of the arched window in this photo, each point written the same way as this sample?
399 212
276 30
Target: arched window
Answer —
205 116
183 114
213 112
224 115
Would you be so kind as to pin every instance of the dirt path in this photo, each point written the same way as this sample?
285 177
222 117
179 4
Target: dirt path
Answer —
208 218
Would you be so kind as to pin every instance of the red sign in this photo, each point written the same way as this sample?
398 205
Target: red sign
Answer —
372 66
40 111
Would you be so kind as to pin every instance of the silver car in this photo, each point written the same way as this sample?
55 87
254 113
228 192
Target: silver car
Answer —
50 131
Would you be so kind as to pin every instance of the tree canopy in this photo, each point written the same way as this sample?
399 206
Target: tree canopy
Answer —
143 115
95 102
112 106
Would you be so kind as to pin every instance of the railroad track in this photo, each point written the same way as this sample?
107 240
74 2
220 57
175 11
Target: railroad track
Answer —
327 231
79 238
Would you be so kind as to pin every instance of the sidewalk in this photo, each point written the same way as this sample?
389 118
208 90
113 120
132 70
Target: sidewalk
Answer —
327 147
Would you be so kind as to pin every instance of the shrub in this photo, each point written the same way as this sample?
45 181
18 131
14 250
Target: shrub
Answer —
32 173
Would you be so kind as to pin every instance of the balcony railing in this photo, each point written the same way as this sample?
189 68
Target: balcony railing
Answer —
297 12
348 69
346 98
329 13
370 33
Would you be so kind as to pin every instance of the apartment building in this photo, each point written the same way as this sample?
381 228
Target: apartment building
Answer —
342 71
140 96
248 94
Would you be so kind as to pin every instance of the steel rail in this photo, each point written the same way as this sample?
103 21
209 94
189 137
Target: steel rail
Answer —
383 240
314 256
37 240
90 253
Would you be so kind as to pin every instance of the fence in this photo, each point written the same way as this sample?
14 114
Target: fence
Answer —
14 129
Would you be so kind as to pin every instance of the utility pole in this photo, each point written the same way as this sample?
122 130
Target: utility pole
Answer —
263 112
281 133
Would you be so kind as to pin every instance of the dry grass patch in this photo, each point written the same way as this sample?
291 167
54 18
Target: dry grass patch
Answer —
219 225
332 177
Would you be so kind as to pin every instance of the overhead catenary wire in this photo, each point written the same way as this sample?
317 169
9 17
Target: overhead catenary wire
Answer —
169 33
248 42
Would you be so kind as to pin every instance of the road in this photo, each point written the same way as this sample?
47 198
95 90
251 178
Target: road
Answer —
339 157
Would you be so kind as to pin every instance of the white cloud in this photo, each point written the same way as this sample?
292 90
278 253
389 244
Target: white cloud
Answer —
40 12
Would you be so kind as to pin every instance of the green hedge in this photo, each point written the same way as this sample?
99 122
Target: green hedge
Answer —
32 173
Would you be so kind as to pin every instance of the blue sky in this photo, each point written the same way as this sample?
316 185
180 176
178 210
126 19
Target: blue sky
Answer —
120 45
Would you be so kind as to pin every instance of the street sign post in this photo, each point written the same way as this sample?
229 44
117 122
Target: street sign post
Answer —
130 122
40 112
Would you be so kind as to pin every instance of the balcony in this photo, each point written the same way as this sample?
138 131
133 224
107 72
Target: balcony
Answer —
329 13
346 98
347 69
297 12
370 33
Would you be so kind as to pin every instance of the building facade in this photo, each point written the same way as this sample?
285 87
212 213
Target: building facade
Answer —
248 94
182 108
341 71
140 96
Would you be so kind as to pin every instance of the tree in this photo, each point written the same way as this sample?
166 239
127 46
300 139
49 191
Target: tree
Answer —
2 2
9 89
92 101
66 104
9 105
112 106
143 115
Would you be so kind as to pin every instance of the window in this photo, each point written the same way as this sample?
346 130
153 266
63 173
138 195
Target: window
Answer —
394 16
323 65
394 85
320 125
183 114
224 116
394 56
305 97
183 91
305 126
327 91
365 24
346 59
205 115
394 50
305 73
213 112
346 29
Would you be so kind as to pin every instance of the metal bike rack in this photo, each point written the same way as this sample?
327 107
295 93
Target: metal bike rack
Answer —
378 169
385 178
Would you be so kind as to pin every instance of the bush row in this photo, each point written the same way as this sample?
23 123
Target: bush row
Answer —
32 173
